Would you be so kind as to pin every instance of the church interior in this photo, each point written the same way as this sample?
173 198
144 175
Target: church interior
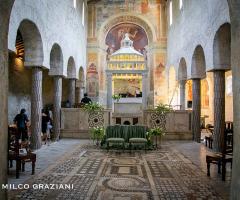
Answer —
119 99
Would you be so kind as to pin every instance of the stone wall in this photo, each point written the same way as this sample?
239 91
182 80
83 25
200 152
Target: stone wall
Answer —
20 82
48 89
76 123
196 23
19 93
177 124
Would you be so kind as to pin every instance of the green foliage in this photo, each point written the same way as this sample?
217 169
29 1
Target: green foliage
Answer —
116 97
163 108
93 107
97 133
155 132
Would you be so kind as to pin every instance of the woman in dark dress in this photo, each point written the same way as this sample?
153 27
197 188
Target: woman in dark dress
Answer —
45 120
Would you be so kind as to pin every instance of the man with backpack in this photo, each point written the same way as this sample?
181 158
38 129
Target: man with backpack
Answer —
21 120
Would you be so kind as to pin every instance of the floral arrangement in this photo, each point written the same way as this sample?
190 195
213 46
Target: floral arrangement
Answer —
91 107
97 133
155 132
116 97
162 108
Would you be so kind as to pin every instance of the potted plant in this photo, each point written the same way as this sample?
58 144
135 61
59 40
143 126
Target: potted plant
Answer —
162 109
116 97
97 134
156 132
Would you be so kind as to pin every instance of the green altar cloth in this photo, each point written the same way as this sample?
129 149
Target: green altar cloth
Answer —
126 132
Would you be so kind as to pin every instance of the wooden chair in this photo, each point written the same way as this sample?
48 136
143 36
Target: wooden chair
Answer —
13 153
226 156
209 139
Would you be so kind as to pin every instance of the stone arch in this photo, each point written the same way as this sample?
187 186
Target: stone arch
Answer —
222 48
126 18
33 46
198 67
56 60
71 68
182 70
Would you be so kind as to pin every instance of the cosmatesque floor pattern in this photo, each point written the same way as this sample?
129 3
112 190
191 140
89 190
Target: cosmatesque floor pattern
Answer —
115 175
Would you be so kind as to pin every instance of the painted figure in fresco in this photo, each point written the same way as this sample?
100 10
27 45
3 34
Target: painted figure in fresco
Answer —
136 33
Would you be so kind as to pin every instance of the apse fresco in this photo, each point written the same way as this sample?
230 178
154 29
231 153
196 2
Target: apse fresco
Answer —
136 33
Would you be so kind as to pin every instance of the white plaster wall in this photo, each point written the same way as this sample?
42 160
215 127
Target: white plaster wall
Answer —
58 22
196 23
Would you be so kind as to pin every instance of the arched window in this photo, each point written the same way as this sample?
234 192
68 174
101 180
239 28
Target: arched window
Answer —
83 14
170 13
180 4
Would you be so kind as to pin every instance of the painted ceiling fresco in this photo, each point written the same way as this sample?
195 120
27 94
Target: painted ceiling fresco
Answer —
136 33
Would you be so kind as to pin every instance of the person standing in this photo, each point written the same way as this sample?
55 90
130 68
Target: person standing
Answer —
21 121
45 121
86 99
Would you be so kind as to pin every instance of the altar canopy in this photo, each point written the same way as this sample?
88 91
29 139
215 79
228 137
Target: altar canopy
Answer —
127 68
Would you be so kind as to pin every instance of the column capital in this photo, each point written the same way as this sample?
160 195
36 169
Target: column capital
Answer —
219 70
195 78
72 79
59 76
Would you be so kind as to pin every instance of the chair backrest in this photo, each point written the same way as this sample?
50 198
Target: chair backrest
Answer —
228 139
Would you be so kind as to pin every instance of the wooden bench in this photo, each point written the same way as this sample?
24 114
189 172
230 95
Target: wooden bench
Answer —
221 159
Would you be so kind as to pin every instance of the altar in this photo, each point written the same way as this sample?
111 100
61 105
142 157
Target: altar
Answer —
127 74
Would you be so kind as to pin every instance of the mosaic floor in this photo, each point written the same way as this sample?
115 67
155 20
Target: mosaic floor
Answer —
116 175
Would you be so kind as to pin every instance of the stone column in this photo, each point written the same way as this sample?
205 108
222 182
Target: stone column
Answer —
196 108
57 106
234 6
5 11
71 95
144 90
219 109
182 94
36 108
109 91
